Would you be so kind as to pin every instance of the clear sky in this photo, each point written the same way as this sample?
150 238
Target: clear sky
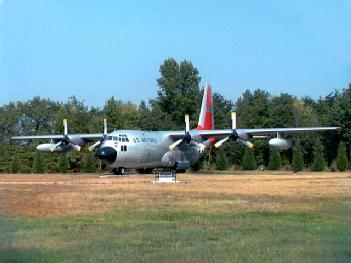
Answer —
95 49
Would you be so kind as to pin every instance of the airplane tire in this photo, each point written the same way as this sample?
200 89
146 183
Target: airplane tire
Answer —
118 171
181 171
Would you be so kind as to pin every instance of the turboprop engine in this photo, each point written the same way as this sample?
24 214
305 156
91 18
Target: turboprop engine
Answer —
64 144
280 144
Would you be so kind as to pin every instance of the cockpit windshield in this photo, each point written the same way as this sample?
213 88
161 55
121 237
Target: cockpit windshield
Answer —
120 138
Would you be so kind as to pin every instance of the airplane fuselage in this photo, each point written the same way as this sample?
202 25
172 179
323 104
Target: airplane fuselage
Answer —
143 149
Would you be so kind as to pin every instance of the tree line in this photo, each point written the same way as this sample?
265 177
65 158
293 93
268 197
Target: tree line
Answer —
178 93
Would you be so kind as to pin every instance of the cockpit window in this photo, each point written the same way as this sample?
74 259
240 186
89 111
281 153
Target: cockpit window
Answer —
109 138
115 138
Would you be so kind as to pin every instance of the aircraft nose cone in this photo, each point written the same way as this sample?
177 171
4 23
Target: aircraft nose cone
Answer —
107 154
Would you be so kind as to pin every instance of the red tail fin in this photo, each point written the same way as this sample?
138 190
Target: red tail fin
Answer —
206 118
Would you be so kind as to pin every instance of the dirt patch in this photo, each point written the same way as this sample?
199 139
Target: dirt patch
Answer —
59 195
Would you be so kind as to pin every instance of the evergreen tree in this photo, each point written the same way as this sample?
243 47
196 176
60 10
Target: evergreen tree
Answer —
89 163
15 165
297 160
341 160
222 162
63 164
275 162
249 162
39 165
318 164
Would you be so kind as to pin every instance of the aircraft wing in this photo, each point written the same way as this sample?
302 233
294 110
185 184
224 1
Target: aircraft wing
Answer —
268 131
261 132
86 137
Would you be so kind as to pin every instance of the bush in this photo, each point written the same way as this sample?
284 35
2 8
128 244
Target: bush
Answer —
89 163
222 162
318 164
249 162
275 162
341 161
63 164
15 165
297 160
39 163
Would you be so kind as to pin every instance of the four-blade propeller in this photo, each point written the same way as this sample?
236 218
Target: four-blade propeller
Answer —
234 136
65 140
187 137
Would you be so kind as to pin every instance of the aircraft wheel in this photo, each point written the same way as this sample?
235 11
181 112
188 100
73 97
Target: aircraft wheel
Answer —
118 171
181 171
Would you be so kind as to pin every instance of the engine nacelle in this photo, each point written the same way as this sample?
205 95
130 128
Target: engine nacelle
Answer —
280 144
46 148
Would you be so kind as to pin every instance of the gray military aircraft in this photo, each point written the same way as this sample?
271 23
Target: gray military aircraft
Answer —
146 150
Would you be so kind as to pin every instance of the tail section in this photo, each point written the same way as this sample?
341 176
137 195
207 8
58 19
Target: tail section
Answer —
206 118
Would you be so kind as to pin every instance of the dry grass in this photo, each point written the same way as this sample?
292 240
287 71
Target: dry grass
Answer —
58 195
254 217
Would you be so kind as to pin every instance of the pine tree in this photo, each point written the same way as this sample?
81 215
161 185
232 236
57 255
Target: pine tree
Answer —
341 160
89 163
297 160
15 165
275 162
39 163
249 162
63 164
318 164
222 162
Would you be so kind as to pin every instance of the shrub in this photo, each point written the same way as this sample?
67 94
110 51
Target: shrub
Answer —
297 160
222 162
15 165
318 164
341 161
63 164
89 163
275 162
39 163
249 162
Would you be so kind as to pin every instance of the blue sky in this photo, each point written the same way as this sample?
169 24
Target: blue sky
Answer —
95 49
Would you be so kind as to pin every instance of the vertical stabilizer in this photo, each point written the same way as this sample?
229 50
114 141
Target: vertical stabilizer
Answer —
206 118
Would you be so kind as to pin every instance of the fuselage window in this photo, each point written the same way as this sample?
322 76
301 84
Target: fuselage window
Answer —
123 148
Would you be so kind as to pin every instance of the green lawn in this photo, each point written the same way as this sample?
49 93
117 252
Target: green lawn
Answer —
170 235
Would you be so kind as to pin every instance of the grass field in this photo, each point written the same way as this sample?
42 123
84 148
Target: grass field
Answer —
204 218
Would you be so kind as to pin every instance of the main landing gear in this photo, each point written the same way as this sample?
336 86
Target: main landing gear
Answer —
119 171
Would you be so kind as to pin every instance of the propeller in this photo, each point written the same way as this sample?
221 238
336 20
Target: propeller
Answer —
65 140
99 142
234 136
187 137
